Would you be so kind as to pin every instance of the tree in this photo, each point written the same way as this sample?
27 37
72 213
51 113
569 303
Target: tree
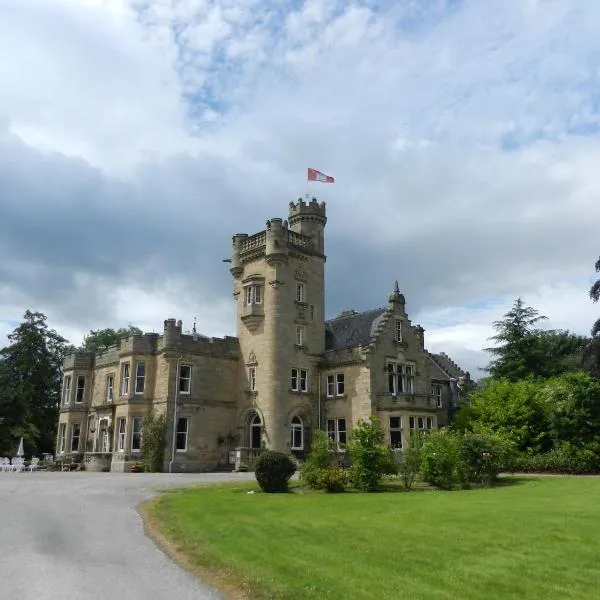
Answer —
101 339
524 350
30 381
592 350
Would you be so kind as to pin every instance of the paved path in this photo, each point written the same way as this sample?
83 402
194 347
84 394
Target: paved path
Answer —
78 536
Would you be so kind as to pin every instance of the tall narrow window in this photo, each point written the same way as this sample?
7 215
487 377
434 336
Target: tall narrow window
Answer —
336 431
436 392
61 437
303 380
253 294
297 434
299 292
121 435
110 384
421 422
136 434
257 294
185 379
396 432
411 422
299 335
67 390
182 434
398 332
80 389
124 379
140 377
339 384
252 378
392 378
295 380
330 386
410 379
75 435
429 423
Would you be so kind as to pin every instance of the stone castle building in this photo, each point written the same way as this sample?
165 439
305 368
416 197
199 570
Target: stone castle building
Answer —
287 372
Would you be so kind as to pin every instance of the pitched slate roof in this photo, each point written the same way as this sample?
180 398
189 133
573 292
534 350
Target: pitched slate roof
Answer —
447 365
352 329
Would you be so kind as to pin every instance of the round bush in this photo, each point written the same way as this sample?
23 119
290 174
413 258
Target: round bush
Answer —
273 471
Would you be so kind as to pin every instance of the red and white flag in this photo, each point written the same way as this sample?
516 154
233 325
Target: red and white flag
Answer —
314 175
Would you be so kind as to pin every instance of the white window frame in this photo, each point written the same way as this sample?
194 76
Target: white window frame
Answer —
125 376
340 384
252 378
335 432
409 378
121 434
297 425
429 423
73 436
252 294
136 434
180 378
398 331
299 380
138 378
330 386
300 335
396 429
436 392
179 432
110 387
300 292
303 380
67 390
62 438
78 388
412 422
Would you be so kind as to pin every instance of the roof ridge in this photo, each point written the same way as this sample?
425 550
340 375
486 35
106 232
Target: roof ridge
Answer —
356 314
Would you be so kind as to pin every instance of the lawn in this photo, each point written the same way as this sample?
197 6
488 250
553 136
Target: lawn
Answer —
529 538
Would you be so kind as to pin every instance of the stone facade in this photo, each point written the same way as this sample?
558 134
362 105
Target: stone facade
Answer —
287 372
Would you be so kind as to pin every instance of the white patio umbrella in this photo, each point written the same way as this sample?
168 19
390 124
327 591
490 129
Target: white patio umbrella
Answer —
20 451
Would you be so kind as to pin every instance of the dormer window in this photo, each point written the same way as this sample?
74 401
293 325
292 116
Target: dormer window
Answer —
253 294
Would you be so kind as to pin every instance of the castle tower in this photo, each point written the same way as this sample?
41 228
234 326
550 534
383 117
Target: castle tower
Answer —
279 289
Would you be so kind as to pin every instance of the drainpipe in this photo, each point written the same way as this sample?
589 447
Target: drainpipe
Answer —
174 440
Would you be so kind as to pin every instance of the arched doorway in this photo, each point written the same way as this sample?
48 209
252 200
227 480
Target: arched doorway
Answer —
255 432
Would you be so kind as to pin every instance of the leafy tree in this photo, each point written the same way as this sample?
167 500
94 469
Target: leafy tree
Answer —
592 350
371 457
30 381
409 460
154 442
101 339
439 459
523 350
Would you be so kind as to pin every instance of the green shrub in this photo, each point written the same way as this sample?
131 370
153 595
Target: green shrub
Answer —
332 479
319 458
564 458
482 457
439 459
154 442
409 460
371 457
273 471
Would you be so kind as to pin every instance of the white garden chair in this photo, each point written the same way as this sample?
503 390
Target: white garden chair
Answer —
5 464
17 464
34 464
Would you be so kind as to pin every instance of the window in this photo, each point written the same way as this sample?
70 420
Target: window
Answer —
398 332
110 383
75 435
330 386
410 379
67 390
136 434
185 379
61 437
411 422
121 434
336 430
396 432
299 335
299 380
436 392
339 384
140 377
80 389
297 433
124 379
182 434
401 378
429 423
252 378
253 294
299 292
421 422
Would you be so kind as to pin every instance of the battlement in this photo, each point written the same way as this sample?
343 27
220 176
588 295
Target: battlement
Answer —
301 208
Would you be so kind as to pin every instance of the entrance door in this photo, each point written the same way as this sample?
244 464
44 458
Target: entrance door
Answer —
255 432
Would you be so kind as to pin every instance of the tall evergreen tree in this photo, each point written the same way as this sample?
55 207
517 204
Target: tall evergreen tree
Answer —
30 380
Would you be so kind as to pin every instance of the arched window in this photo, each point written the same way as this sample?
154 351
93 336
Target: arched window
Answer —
255 432
297 434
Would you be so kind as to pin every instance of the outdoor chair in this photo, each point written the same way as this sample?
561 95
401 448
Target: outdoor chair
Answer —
17 464
5 464
34 464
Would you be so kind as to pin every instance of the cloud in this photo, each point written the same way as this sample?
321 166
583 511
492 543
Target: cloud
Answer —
137 136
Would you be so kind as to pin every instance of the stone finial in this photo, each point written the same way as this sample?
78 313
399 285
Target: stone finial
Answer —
396 296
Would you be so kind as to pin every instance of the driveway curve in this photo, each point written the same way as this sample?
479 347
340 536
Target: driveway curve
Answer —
79 536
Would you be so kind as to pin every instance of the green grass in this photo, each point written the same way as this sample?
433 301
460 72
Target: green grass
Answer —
529 538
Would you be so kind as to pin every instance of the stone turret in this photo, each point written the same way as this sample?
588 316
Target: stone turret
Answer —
396 297
309 219
236 262
276 249
172 333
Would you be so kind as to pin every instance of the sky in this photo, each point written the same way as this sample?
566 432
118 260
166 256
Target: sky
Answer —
137 136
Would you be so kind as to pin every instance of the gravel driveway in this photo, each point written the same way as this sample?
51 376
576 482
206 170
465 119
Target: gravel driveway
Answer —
78 536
